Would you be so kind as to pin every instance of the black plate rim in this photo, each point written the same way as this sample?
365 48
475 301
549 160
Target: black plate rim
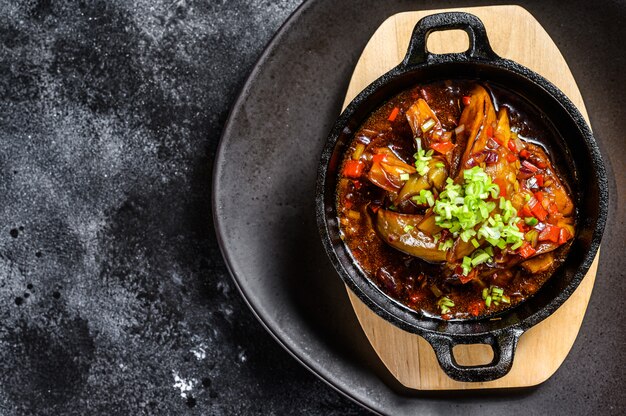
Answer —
219 232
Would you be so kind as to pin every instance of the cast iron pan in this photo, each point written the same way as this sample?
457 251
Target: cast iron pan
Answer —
581 157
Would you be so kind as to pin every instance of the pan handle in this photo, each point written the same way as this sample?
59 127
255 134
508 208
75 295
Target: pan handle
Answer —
503 344
479 42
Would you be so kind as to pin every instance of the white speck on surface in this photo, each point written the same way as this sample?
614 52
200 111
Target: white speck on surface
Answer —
242 357
185 386
199 352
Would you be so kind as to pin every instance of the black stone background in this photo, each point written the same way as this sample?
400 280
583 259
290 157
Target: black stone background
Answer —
111 281
110 274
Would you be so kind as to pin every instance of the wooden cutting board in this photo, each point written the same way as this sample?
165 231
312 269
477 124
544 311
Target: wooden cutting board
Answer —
515 34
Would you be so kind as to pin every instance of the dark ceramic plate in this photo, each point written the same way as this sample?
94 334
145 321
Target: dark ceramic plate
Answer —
264 187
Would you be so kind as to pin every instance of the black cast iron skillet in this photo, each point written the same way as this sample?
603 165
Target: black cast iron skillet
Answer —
575 148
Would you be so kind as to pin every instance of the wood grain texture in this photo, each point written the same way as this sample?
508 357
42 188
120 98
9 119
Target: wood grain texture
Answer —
514 34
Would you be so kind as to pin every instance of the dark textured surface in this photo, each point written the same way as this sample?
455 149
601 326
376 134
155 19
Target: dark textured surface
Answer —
111 281
269 233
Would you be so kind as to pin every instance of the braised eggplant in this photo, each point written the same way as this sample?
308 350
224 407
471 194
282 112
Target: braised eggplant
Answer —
448 190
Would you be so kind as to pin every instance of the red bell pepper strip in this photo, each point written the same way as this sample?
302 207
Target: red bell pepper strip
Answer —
537 209
353 168
550 233
526 250
510 157
539 178
524 153
512 147
442 147
394 114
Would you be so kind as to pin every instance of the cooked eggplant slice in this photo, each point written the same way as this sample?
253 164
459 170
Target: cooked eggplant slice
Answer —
402 232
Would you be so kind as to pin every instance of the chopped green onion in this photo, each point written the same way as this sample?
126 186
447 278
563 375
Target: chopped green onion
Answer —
404 176
532 221
494 295
480 259
425 197
408 228
446 301
517 245
428 124
429 198
445 304
466 265
475 243
464 209
446 245
532 237
439 165
435 290
422 159
467 234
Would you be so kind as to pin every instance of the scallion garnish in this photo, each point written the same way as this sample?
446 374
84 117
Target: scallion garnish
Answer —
494 295
422 159
445 303
425 197
428 124
532 221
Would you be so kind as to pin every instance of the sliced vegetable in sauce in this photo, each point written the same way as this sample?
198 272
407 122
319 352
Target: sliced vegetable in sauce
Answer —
448 207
